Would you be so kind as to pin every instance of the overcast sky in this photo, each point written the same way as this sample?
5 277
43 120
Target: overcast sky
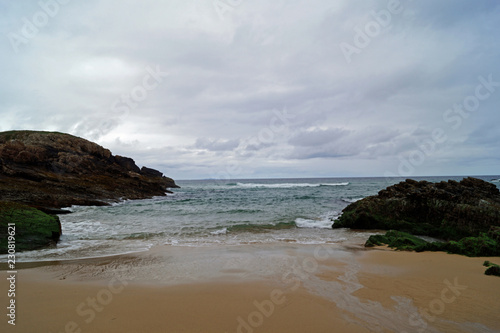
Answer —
255 89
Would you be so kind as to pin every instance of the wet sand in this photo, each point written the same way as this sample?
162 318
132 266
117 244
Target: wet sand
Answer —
258 288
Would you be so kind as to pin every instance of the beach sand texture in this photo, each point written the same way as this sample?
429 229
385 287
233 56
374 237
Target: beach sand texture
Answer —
298 288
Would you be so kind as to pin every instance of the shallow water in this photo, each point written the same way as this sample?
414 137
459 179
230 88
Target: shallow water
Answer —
213 212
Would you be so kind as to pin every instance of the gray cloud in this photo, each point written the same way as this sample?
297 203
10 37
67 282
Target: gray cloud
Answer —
318 137
368 143
216 145
227 76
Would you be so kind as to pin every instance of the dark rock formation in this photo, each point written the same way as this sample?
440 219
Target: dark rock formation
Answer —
31 229
449 210
127 163
493 269
49 169
148 172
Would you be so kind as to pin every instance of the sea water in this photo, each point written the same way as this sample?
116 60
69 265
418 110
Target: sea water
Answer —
218 212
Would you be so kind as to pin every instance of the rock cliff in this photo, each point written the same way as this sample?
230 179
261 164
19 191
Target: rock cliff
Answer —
50 169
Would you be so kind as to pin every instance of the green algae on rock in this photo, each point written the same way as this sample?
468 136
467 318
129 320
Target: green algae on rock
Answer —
32 228
484 245
396 239
493 269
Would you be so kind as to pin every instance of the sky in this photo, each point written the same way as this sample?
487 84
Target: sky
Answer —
233 89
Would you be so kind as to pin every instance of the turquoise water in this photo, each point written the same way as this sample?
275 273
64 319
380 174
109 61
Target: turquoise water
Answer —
213 212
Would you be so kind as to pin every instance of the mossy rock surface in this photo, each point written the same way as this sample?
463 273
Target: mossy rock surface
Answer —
493 269
33 228
481 246
396 239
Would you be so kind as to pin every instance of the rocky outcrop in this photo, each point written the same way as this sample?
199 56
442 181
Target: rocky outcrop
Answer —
26 228
484 245
448 210
493 269
50 169
150 172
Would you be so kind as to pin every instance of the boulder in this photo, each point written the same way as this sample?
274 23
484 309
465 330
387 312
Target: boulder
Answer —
29 228
493 269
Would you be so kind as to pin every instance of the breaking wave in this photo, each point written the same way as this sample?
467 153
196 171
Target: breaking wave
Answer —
287 185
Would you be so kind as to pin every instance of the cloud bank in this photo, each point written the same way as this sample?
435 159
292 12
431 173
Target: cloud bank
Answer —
237 89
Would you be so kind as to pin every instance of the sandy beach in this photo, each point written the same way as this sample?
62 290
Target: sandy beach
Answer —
257 288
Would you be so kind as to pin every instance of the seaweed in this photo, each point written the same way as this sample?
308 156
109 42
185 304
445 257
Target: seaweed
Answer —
396 239
484 245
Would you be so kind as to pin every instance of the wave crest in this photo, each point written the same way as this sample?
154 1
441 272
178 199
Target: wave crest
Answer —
288 185
325 221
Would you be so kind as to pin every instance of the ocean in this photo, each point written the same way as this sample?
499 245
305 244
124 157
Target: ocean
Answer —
218 212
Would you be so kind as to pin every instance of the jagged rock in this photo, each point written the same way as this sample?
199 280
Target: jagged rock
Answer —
148 172
54 170
449 210
127 163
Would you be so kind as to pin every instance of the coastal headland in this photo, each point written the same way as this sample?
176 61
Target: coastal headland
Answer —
54 170
41 172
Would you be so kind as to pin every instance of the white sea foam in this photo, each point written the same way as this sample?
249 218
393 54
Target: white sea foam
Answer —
325 221
172 241
351 200
288 185
305 223
82 249
222 231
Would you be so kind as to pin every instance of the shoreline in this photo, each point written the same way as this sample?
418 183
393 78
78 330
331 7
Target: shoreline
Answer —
259 288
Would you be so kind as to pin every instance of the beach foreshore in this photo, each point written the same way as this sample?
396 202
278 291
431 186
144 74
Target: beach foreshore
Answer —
257 288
